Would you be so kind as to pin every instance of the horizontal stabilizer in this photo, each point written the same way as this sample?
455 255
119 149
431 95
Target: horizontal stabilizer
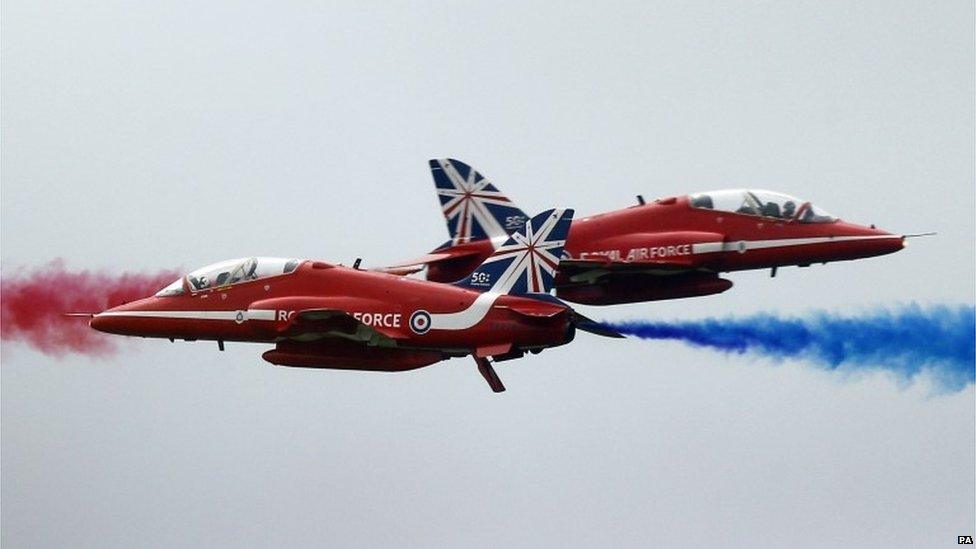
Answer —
594 327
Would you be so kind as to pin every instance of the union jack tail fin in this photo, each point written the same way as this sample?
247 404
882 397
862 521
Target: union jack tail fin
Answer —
474 208
527 262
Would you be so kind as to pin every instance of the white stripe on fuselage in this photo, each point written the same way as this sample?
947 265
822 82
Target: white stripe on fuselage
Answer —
467 318
250 314
460 320
742 245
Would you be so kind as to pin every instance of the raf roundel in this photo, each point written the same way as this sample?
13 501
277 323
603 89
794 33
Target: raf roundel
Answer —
420 322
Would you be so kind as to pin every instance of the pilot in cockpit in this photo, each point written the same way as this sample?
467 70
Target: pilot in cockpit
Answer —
244 271
200 283
789 209
232 271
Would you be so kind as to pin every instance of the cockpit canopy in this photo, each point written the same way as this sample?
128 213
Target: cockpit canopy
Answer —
760 203
232 271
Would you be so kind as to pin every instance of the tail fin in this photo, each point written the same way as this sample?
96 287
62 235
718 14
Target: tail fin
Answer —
473 207
527 262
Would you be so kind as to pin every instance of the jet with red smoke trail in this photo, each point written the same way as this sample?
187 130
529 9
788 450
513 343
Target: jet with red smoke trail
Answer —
670 248
320 315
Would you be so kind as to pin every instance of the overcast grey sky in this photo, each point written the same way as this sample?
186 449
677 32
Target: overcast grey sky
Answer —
138 136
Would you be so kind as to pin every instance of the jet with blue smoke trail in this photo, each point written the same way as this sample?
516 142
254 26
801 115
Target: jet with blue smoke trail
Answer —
673 247
907 340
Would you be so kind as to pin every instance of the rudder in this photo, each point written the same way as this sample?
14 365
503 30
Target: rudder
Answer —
527 262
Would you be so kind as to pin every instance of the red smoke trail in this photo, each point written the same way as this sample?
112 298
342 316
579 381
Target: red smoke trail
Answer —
33 303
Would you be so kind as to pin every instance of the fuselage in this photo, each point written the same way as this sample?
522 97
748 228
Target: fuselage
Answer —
682 247
721 241
407 314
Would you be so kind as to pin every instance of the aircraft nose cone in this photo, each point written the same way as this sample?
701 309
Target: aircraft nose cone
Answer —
898 242
858 241
105 323
122 320
884 242
889 242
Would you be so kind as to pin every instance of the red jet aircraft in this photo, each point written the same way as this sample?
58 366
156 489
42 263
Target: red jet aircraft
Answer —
320 315
671 248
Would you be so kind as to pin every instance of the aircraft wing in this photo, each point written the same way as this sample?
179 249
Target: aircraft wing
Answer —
588 270
312 324
417 264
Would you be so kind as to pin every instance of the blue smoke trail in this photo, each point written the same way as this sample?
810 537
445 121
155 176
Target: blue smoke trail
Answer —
907 340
